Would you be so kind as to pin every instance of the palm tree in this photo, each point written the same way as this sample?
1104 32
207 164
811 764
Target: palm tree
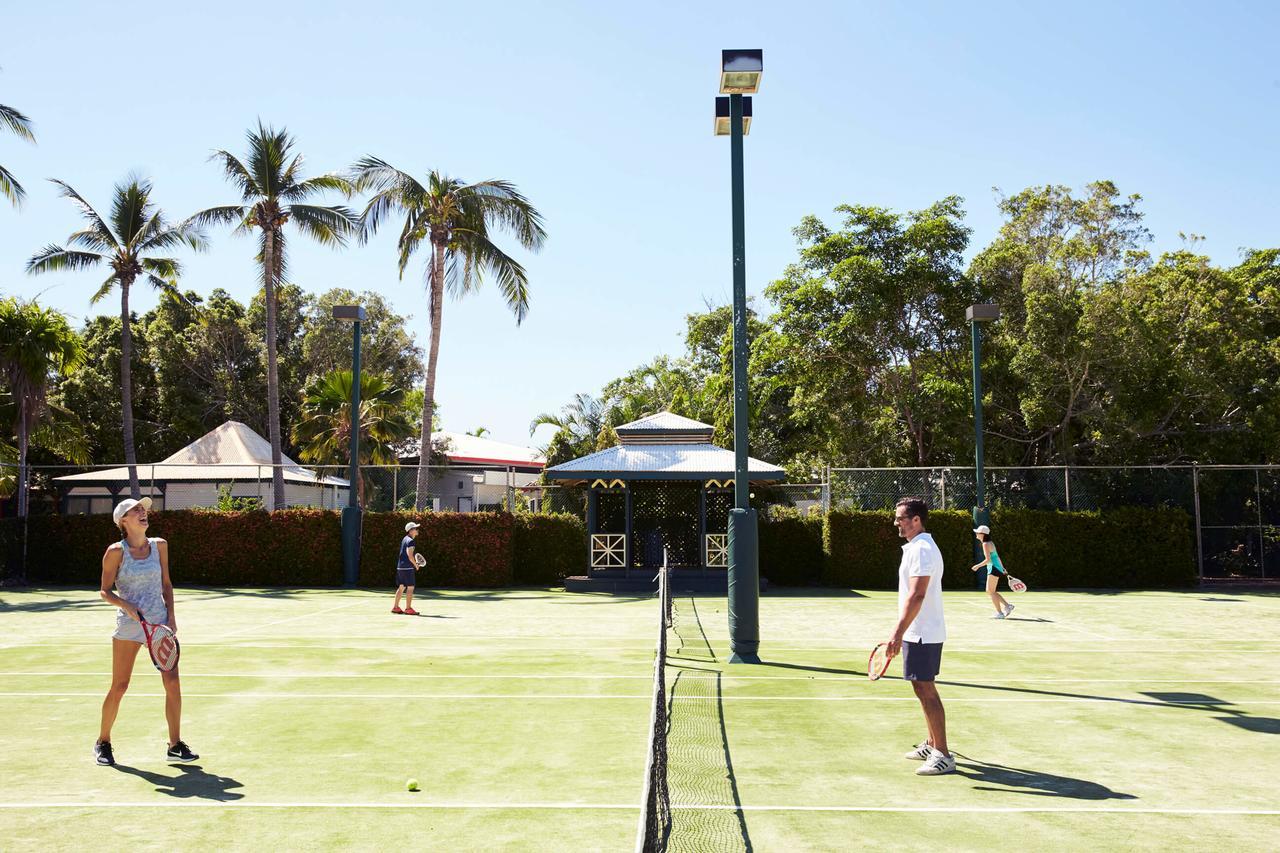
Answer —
272 190
583 419
324 433
125 242
35 343
455 218
19 125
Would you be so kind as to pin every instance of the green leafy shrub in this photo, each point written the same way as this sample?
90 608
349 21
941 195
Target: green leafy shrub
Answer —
548 548
791 549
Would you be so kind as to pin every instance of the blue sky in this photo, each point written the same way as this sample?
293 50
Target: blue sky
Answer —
601 114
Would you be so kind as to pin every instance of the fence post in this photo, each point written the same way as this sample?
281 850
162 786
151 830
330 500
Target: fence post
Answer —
511 489
1066 479
1262 539
944 488
1195 491
261 503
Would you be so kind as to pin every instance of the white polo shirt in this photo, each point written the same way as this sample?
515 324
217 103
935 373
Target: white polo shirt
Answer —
921 557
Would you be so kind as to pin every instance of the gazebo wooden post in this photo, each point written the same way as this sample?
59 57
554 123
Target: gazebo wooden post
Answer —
593 511
626 545
702 525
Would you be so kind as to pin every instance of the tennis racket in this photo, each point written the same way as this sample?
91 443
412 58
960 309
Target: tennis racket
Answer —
420 561
1016 585
162 644
878 663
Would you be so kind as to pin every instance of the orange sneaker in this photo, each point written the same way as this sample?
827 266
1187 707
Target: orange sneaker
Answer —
396 610
409 611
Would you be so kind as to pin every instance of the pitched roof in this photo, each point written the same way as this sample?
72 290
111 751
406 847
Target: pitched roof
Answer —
661 462
665 422
232 451
474 450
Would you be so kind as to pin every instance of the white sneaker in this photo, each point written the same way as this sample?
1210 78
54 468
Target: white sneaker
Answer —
921 753
937 764
998 616
1008 608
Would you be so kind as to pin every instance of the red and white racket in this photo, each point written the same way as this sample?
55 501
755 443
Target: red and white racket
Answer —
878 663
1016 585
162 644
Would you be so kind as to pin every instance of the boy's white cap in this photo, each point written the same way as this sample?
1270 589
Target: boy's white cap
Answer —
126 505
411 525
982 528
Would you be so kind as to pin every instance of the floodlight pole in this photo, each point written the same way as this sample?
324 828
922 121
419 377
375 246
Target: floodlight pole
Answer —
351 513
977 315
744 566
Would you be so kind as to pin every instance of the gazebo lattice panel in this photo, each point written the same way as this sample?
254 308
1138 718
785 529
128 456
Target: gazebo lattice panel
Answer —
665 515
611 512
718 505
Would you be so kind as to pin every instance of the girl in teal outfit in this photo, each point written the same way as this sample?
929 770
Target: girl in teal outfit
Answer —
995 571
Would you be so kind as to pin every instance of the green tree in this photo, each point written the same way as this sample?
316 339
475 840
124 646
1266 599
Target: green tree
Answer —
578 425
35 344
127 243
456 219
871 322
387 347
272 194
20 126
324 432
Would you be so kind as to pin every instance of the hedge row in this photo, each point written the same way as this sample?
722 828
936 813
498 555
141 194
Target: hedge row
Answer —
303 547
1127 548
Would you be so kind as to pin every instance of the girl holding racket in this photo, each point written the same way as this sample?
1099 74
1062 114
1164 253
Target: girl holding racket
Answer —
995 569
135 578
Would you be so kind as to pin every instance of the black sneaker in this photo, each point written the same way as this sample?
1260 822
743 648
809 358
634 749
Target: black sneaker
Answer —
181 752
102 753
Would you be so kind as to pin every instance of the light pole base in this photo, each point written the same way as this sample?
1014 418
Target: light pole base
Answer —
744 657
744 587
350 545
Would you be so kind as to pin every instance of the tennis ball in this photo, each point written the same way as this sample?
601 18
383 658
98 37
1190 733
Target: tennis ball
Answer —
412 784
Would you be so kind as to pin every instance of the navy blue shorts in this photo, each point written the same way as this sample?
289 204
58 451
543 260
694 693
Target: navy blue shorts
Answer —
406 577
921 661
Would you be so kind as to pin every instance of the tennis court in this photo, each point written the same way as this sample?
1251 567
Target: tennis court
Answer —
1106 721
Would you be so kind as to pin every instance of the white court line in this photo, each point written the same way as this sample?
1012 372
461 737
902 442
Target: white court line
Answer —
240 804
292 618
1065 700
355 676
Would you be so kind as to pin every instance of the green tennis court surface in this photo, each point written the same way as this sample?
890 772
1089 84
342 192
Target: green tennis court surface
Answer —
1088 721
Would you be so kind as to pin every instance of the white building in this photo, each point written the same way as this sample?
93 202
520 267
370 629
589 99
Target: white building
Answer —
232 457
478 472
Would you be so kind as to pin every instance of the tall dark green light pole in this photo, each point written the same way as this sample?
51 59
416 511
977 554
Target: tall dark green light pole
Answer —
351 512
740 72
977 315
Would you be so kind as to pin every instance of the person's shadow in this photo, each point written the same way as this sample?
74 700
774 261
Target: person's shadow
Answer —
191 781
996 777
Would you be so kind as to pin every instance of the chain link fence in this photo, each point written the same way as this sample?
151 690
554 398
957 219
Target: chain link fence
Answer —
1236 509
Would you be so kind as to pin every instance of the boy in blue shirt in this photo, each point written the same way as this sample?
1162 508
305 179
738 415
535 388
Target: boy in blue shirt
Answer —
406 569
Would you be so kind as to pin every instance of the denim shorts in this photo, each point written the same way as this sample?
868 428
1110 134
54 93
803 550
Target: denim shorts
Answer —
406 577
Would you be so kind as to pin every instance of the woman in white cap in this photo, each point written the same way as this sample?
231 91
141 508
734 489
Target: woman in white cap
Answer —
135 578
995 571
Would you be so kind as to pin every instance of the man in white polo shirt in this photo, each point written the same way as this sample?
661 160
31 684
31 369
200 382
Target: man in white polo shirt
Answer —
921 630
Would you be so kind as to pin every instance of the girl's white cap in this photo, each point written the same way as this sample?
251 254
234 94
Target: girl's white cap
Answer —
982 528
126 505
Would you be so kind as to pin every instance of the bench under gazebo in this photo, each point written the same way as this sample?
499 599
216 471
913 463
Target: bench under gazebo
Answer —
665 487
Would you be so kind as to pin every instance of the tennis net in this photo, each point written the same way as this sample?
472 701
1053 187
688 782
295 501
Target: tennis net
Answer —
655 817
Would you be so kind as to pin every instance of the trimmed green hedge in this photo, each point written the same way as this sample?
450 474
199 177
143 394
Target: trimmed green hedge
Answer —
791 550
472 549
1126 548
549 548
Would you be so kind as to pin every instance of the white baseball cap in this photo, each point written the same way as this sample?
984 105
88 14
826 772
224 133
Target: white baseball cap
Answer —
982 528
411 525
127 504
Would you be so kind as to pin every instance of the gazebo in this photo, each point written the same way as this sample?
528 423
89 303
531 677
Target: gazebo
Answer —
665 487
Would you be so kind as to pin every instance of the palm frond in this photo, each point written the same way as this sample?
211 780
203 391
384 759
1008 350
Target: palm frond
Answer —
10 188
96 222
239 174
174 237
130 209
92 239
320 183
18 124
373 173
513 281
501 203
329 226
54 258
223 215
168 269
104 289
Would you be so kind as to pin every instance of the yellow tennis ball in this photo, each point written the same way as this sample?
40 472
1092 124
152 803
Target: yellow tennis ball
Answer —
412 784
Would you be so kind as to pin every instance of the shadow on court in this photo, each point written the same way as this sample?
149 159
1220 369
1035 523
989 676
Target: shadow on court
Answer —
997 777
831 670
191 782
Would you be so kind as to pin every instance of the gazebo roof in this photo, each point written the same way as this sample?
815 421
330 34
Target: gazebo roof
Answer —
664 446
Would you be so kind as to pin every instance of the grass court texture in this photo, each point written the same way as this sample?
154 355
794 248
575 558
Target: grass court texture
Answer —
1140 720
